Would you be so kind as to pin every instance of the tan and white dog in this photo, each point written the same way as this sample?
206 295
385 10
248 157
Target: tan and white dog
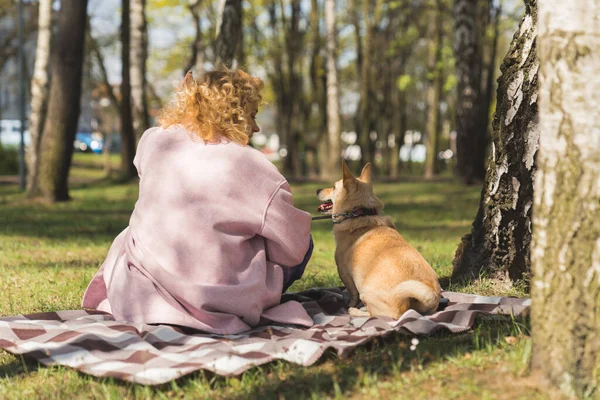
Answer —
374 261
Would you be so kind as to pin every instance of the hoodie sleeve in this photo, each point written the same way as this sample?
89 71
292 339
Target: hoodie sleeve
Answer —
137 160
285 228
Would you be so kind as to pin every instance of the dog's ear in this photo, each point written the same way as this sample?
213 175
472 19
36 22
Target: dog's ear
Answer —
346 174
365 175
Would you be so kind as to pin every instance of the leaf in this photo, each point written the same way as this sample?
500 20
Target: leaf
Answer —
403 82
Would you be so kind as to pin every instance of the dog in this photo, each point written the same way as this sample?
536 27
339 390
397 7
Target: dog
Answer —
375 263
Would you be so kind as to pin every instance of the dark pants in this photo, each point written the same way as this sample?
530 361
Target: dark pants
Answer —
292 274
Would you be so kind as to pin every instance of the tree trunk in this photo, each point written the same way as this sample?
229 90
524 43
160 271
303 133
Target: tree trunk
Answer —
498 245
486 95
294 45
290 95
106 152
318 99
97 53
434 90
229 31
107 129
399 132
128 170
139 55
470 131
39 94
64 101
334 170
364 105
278 80
566 236
196 62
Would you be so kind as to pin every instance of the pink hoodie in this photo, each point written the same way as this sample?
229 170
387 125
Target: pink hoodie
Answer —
210 233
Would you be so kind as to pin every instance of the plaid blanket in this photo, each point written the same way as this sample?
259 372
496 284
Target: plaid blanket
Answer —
94 343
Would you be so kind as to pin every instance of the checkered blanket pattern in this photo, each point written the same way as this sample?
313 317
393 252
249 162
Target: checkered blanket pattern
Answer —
94 343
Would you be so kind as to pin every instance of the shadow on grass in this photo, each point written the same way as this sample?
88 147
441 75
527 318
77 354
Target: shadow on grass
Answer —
95 214
23 365
380 359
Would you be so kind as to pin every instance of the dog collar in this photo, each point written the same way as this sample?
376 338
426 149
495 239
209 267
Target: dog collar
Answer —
354 213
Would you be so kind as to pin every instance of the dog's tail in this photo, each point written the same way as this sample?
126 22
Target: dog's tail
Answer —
418 296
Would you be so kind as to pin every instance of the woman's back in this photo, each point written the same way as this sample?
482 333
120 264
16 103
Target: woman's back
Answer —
212 228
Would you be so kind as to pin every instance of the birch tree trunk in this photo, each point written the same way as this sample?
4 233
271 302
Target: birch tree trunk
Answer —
40 85
229 31
566 236
333 100
64 102
128 170
434 90
498 245
139 55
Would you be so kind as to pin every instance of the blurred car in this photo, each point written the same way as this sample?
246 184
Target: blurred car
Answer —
88 142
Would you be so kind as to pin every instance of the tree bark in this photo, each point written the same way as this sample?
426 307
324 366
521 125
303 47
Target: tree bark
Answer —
566 236
139 55
40 85
365 106
277 78
128 170
293 38
114 102
318 98
287 82
498 245
229 32
399 102
64 102
196 62
434 90
488 93
97 53
334 170
469 129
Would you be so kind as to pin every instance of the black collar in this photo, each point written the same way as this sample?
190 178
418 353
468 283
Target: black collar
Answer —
354 213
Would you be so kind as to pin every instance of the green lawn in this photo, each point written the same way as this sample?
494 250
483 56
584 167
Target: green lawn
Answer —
48 254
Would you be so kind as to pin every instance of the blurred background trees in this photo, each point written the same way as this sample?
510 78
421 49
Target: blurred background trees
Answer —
407 101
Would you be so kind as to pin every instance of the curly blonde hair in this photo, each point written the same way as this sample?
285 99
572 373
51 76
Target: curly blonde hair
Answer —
215 106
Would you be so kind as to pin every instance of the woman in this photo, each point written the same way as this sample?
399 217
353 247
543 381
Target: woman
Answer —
214 236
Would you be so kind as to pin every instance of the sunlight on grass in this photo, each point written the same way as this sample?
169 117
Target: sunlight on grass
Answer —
48 254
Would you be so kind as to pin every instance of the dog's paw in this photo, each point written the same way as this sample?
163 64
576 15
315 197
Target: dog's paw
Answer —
355 312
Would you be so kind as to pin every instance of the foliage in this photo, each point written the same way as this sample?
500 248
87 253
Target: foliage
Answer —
9 161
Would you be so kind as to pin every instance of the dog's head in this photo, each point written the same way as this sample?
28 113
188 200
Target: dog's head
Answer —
349 192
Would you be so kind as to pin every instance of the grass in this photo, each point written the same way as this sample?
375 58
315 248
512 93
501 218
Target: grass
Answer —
48 254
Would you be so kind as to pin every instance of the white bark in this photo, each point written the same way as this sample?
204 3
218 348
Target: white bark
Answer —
333 99
40 87
566 223
220 17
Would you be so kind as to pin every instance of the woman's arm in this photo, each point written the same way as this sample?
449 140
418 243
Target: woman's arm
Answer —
286 229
